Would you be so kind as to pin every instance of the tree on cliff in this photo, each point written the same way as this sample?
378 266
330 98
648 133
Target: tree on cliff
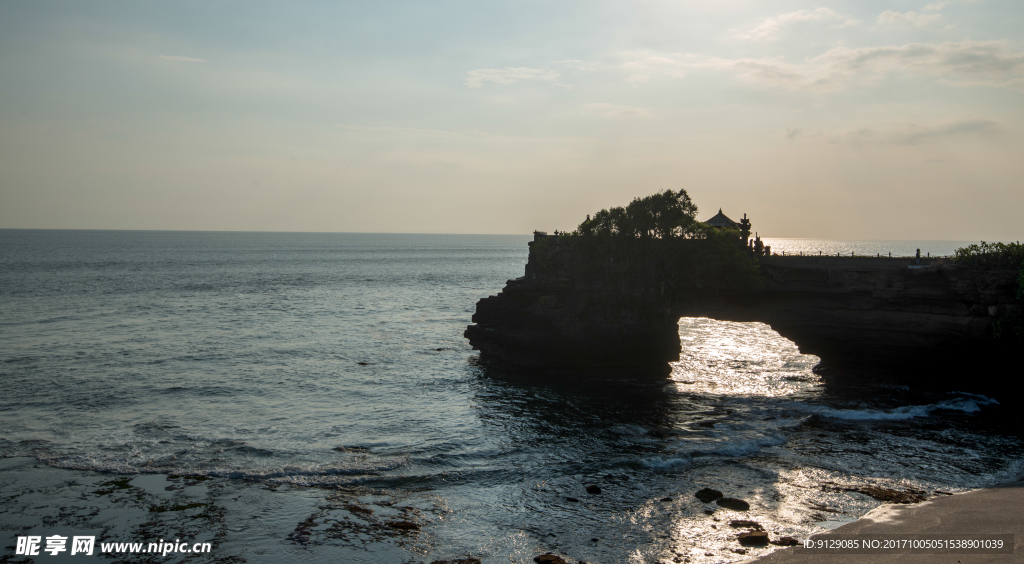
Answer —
663 215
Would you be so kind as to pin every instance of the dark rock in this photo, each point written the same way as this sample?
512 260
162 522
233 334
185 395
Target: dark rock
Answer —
785 541
733 503
593 540
707 423
889 495
744 524
572 499
707 495
709 511
403 525
549 558
740 550
354 449
363 363
753 538
578 311
666 499
593 490
458 561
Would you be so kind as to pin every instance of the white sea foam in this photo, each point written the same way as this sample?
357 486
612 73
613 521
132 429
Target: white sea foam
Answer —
665 463
964 404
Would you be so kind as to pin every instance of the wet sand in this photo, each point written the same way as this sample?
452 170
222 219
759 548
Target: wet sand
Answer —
987 511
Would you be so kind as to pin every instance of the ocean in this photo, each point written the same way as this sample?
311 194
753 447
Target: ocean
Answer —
309 397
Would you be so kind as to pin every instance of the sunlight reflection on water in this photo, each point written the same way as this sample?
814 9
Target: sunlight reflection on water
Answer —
873 247
722 357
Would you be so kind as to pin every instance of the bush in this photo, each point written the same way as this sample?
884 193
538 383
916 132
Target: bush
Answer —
992 255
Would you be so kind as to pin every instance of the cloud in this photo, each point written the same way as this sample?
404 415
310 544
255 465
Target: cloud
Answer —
182 59
913 134
849 23
616 111
986 63
910 18
935 7
902 134
507 75
769 28
637 79
644 63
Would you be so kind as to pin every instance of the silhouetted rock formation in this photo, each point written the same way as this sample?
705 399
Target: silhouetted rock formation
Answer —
577 311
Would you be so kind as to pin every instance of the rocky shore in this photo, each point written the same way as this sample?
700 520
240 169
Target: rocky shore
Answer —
916 317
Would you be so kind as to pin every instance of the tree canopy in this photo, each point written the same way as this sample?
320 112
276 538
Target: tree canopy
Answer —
662 215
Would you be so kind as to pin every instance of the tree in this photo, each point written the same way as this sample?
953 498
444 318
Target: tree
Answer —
662 215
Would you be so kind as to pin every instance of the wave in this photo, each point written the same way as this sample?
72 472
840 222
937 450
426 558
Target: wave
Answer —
970 404
665 463
303 474
742 447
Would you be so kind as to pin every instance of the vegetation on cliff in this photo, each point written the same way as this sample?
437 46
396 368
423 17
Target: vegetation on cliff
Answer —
1009 327
656 239
663 215
991 255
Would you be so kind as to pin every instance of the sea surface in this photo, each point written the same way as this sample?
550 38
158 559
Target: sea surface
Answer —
308 389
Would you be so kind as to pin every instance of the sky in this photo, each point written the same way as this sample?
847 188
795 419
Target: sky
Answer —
859 119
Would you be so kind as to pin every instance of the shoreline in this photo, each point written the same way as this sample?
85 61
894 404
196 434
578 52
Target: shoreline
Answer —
994 510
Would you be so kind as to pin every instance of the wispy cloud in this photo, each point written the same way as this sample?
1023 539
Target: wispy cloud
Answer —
909 18
936 6
616 111
901 134
914 134
644 63
178 59
508 75
770 28
988 63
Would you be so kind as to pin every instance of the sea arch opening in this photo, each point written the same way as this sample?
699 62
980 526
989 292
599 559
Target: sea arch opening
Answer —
746 358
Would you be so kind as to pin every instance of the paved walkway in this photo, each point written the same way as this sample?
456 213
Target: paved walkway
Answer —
989 511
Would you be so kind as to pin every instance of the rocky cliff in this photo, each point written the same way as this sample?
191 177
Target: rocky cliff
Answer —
576 313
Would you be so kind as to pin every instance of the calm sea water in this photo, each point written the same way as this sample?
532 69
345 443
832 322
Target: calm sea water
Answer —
334 364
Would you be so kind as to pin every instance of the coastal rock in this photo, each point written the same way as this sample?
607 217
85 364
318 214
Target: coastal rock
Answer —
888 495
469 560
352 508
733 503
753 538
572 499
403 525
577 312
549 558
744 524
593 490
707 495
785 541
666 499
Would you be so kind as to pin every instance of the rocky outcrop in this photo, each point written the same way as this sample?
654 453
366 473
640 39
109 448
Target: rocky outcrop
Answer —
883 314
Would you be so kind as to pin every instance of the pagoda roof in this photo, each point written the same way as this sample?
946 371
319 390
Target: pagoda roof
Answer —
720 220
